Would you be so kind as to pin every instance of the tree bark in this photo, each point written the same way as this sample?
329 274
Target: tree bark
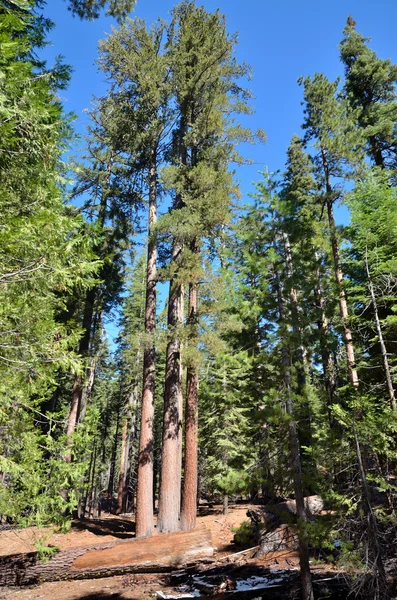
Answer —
296 469
83 352
160 553
326 358
170 473
189 492
125 447
383 350
304 429
87 325
144 506
347 334
380 587
170 476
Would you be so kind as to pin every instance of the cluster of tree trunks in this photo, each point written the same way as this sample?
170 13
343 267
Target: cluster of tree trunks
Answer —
160 553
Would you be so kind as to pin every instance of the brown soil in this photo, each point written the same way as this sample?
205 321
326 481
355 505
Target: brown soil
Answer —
109 528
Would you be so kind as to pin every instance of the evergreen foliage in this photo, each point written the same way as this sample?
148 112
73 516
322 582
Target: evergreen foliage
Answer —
280 326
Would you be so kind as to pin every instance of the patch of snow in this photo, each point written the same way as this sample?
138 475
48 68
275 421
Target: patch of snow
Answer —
163 596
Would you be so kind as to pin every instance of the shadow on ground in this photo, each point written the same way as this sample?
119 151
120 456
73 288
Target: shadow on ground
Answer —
119 528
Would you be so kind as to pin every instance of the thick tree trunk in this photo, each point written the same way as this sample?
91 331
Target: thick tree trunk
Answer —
156 554
383 350
170 477
189 492
171 452
144 506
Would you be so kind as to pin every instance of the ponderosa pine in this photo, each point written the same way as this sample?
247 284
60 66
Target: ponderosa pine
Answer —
140 95
370 89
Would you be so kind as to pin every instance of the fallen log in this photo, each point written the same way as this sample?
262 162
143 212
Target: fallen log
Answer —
157 554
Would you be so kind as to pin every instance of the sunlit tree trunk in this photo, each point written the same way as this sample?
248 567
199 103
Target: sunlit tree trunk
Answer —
344 312
189 492
144 503
170 476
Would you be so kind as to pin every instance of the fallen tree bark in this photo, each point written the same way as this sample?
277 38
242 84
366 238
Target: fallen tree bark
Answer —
160 553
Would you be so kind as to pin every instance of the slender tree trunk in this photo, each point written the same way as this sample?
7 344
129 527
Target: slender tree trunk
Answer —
87 325
189 493
113 463
389 381
144 506
225 504
347 334
326 357
304 429
83 351
123 466
351 363
128 431
90 491
380 586
306 580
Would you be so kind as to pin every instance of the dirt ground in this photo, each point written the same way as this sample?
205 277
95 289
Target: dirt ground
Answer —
109 528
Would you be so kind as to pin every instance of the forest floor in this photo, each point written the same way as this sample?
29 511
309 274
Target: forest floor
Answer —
132 587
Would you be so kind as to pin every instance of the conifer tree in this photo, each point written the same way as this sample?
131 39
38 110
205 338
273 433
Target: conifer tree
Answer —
370 88
44 254
204 78
130 363
90 9
133 59
326 124
106 178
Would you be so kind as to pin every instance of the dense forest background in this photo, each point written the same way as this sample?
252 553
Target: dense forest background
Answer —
266 366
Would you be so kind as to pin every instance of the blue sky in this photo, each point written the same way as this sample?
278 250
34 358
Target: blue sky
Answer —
280 40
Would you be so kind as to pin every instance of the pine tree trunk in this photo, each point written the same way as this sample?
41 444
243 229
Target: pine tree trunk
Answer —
304 429
347 334
144 506
225 504
373 551
123 467
376 152
189 492
112 469
389 381
158 554
170 473
170 476
84 345
306 580
326 358
87 390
